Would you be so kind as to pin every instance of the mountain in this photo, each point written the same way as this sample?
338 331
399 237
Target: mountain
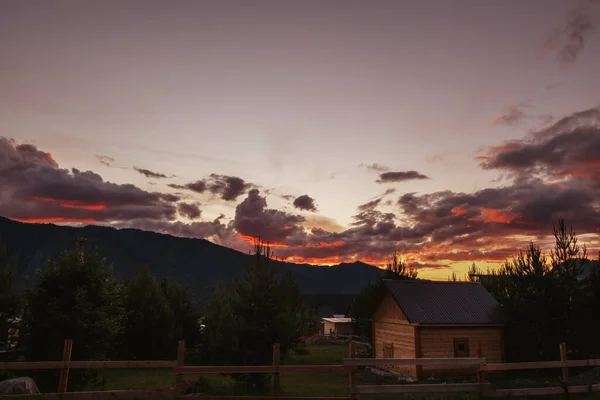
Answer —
198 263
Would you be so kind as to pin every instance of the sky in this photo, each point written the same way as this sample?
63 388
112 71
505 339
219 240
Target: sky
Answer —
448 132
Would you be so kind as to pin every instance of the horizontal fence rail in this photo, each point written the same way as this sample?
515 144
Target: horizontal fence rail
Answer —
419 388
259 369
350 365
540 365
95 395
463 361
42 365
543 391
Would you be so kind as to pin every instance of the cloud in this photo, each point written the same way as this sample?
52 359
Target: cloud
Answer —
227 187
150 174
189 210
33 187
198 186
436 229
215 230
551 172
375 167
400 176
305 202
568 148
106 160
254 219
569 40
512 116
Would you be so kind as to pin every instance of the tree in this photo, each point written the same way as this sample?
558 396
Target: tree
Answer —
74 297
548 300
243 321
148 329
398 269
9 300
186 317
159 313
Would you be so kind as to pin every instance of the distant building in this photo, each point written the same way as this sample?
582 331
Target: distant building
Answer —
427 319
337 326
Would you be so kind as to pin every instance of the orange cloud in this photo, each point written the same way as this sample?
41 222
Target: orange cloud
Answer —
337 243
48 220
586 170
253 240
71 204
499 216
456 211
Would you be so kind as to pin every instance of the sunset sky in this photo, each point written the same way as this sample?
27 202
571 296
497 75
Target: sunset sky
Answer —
451 132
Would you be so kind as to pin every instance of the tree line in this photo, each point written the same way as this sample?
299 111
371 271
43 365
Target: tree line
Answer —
76 296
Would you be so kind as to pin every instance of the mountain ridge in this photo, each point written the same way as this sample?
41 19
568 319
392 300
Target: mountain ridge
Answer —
198 263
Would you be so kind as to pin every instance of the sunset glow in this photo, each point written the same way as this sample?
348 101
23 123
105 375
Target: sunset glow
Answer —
324 128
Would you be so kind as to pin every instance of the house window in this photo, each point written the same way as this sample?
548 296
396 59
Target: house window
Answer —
388 350
461 347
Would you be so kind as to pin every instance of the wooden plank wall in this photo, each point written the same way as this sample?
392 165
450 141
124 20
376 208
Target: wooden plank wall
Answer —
438 342
391 326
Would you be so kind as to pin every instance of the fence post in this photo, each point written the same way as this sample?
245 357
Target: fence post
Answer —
563 358
276 357
480 371
180 363
352 373
64 372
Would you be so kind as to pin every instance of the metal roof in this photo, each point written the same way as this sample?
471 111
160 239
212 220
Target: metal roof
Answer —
436 302
338 320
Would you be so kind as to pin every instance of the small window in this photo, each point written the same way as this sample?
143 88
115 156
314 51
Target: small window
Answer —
388 350
461 347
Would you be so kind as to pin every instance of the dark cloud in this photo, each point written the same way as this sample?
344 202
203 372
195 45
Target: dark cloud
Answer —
106 160
570 147
189 210
253 218
305 202
400 176
228 188
376 167
33 187
150 174
569 41
215 230
198 186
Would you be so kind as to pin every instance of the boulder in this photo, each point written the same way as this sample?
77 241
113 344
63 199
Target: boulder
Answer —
23 385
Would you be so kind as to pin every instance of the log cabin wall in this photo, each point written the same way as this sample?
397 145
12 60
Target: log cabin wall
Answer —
390 327
446 342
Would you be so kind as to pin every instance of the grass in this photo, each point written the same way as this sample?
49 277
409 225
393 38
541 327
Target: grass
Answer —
293 384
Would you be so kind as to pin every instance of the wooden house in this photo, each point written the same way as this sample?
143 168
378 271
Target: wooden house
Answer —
430 319
338 325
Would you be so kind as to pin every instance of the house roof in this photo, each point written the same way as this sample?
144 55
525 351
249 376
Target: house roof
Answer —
338 320
435 302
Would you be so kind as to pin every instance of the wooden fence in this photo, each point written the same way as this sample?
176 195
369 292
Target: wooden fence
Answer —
350 366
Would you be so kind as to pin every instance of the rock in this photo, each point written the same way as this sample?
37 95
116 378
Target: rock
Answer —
23 385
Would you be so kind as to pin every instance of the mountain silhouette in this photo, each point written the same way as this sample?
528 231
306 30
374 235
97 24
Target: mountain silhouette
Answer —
197 263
